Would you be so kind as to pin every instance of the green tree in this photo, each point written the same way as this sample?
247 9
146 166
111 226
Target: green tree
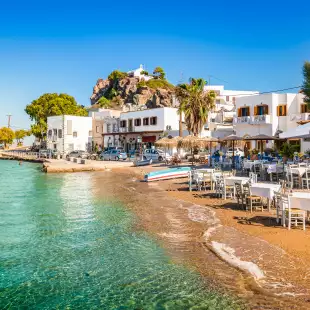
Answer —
306 82
195 103
20 135
6 136
104 102
51 105
159 73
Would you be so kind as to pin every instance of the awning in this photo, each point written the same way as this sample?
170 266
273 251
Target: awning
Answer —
148 138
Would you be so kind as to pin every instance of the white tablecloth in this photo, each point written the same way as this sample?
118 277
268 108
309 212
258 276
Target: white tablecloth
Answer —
273 168
300 200
232 180
264 189
300 171
248 164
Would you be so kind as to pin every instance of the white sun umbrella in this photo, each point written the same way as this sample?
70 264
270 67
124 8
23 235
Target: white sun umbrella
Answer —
302 131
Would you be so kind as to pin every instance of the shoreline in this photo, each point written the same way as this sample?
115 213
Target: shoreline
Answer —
188 224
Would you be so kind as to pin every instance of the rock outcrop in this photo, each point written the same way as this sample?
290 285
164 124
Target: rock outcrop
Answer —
132 91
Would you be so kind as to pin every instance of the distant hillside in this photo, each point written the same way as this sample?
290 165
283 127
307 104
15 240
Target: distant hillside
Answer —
121 89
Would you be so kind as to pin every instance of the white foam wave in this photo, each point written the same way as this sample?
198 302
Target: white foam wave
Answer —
228 254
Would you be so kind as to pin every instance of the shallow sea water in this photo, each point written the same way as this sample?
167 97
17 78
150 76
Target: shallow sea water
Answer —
63 248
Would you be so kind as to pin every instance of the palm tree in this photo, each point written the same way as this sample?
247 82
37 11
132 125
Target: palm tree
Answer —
195 103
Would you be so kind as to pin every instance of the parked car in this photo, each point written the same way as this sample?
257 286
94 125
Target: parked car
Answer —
156 155
78 154
237 151
113 155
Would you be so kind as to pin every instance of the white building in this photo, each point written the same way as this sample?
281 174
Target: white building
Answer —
66 133
137 73
220 120
144 127
269 114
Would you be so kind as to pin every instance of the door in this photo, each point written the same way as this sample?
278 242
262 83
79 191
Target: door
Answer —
130 127
114 154
106 155
155 154
148 154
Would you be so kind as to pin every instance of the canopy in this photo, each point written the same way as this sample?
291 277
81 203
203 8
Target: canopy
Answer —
302 131
231 138
191 142
165 142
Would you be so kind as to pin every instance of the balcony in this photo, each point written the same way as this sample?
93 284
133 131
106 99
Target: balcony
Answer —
242 120
261 119
253 120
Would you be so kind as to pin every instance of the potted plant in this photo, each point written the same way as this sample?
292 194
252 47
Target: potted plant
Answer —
254 153
287 151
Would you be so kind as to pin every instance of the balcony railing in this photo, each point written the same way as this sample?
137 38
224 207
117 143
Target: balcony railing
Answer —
261 119
257 119
242 120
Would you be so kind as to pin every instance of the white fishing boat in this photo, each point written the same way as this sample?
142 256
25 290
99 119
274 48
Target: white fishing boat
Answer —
173 173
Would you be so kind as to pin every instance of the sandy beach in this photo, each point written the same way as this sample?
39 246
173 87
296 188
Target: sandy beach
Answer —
245 254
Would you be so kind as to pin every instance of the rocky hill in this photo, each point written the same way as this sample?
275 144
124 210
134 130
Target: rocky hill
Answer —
121 90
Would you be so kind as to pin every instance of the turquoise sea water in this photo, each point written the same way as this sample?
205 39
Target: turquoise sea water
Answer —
62 248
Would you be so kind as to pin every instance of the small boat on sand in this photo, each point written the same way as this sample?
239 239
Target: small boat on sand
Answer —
144 162
173 173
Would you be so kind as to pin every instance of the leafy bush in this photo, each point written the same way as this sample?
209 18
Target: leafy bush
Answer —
104 102
141 84
158 83
288 150
117 75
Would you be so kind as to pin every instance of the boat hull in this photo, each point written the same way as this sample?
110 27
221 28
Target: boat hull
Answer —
181 172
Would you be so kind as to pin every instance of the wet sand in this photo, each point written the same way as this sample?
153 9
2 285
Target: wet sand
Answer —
246 255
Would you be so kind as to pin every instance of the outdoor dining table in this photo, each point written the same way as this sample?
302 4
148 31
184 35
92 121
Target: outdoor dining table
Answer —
300 171
266 190
300 200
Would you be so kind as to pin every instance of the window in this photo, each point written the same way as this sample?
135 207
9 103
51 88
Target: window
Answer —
74 134
90 133
138 122
227 98
69 127
123 124
281 110
234 100
304 108
153 120
244 111
97 129
50 133
55 132
59 133
261 109
146 121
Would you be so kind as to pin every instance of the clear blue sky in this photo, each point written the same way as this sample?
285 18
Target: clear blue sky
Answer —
65 46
